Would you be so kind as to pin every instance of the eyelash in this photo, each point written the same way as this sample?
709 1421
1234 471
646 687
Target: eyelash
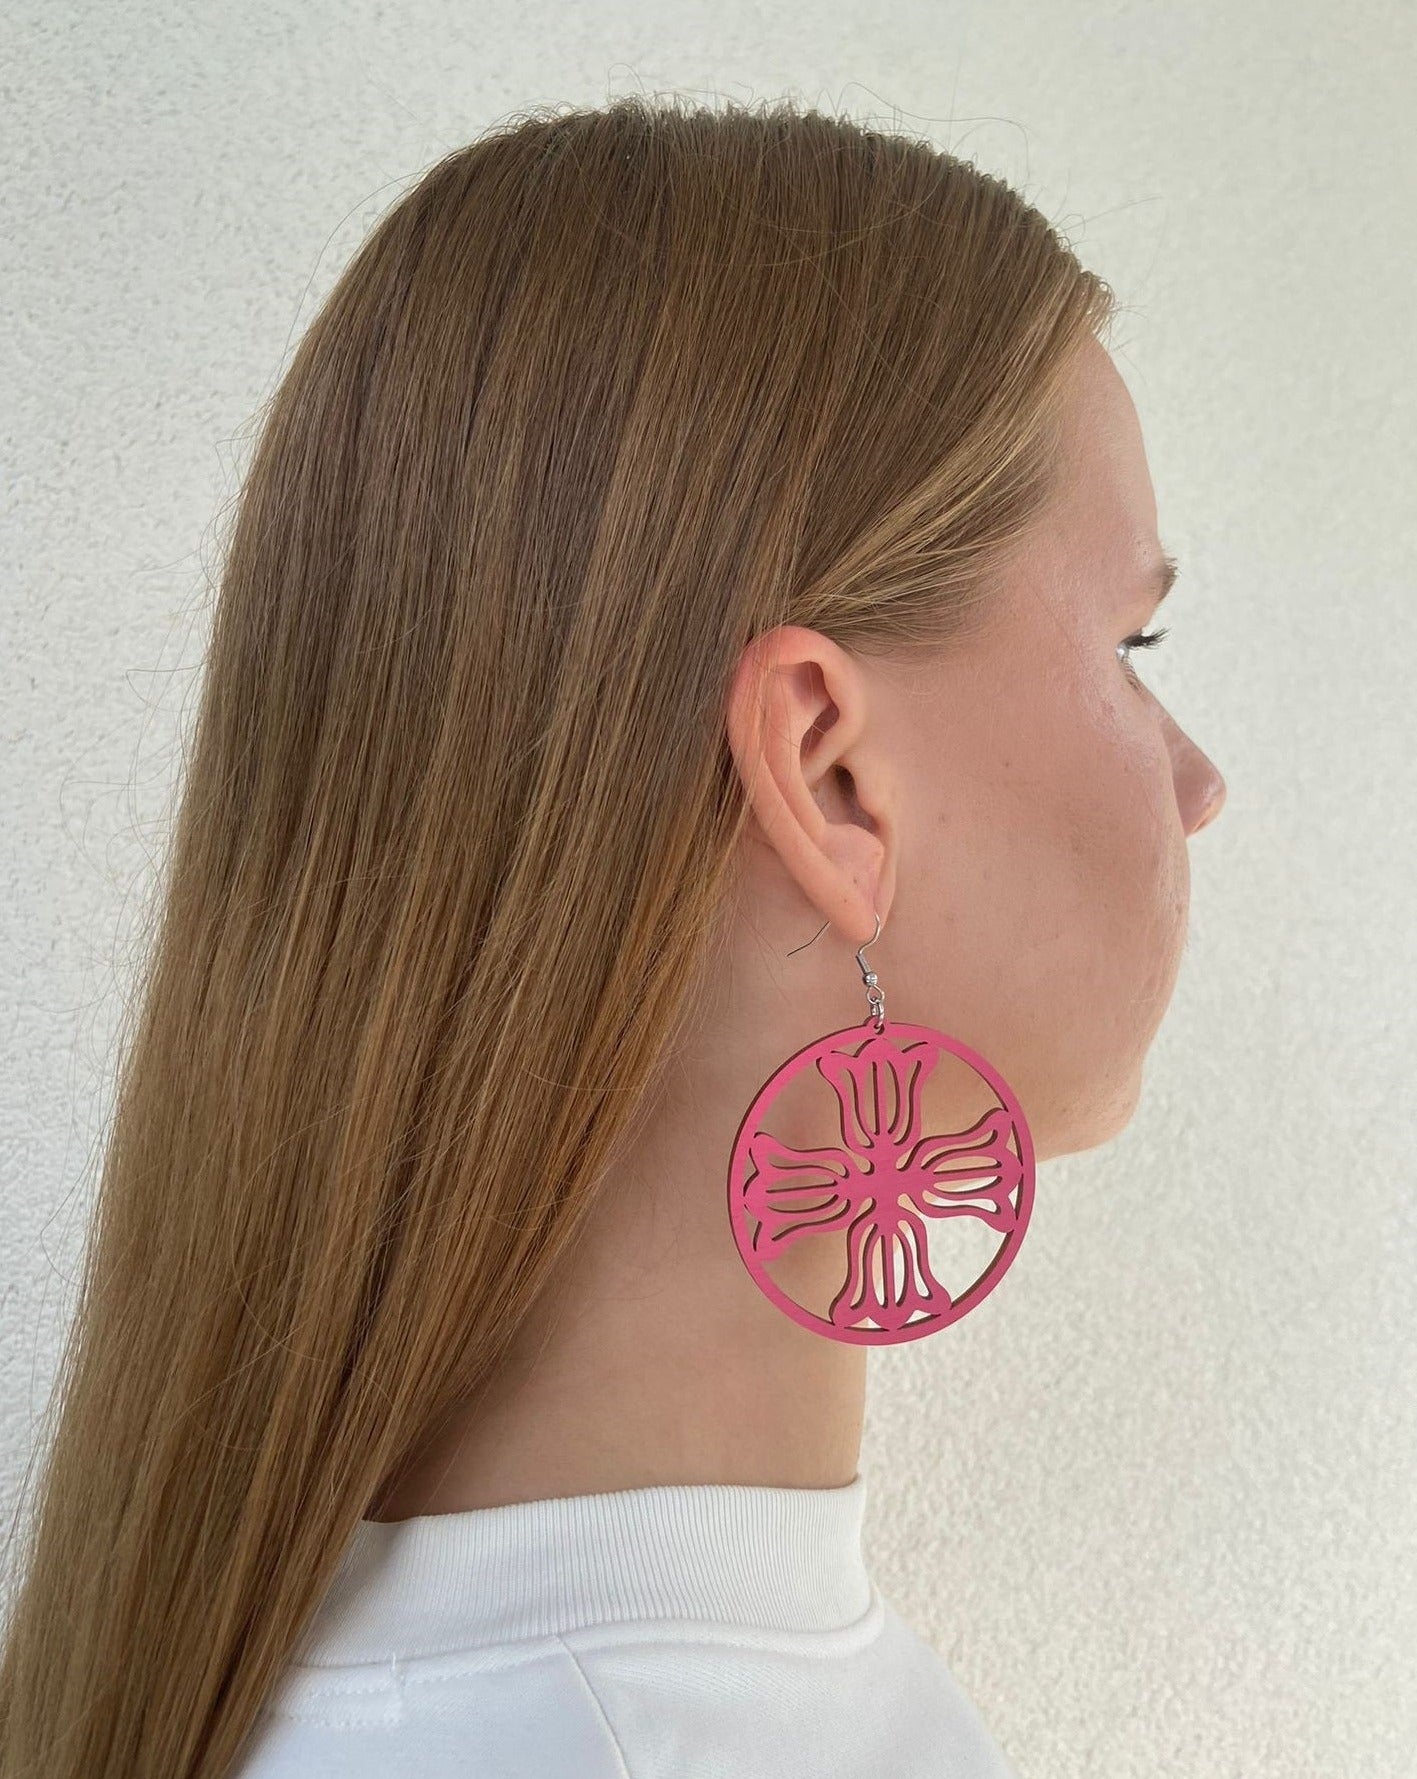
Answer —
1142 640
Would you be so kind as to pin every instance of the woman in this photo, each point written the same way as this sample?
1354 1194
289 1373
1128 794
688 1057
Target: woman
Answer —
682 536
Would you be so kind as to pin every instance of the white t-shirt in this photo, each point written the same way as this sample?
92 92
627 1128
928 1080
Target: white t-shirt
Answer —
683 1631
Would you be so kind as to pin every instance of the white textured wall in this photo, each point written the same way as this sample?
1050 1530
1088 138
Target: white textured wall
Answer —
1155 1501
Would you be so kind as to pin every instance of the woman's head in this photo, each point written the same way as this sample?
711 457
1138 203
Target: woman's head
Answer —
1015 806
604 398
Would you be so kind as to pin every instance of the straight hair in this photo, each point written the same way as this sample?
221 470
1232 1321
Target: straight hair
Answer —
606 394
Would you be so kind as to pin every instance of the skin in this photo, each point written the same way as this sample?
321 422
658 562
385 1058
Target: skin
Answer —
1018 813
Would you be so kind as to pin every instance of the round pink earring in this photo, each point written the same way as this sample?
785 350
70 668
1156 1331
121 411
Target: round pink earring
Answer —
885 1179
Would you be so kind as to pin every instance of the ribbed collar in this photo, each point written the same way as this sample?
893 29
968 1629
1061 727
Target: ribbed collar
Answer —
726 1553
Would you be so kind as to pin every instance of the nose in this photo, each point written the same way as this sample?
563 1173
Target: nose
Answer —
1214 804
1200 789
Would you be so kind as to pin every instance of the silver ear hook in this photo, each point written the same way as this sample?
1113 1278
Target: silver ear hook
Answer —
874 995
861 962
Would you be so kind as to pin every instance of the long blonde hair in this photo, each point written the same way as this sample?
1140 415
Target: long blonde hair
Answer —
605 394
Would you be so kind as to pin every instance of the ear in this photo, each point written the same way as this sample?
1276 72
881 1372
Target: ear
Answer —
799 728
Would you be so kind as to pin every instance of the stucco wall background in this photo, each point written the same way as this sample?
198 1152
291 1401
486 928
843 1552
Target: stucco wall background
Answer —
1154 1502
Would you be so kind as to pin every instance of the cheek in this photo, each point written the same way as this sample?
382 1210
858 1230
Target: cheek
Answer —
1139 866
1128 827
1086 832
1051 841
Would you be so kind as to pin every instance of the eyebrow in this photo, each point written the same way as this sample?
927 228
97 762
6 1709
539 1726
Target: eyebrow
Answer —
1164 577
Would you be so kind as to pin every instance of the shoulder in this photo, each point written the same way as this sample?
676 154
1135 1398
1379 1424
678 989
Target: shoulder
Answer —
689 1702
489 1714
667 1699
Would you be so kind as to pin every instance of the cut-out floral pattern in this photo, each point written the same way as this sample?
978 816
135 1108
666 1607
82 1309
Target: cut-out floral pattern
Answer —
882 1183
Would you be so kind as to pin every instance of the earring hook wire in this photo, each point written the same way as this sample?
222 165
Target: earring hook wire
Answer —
874 995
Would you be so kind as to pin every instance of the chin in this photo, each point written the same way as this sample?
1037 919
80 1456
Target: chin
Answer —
1124 1106
1089 1121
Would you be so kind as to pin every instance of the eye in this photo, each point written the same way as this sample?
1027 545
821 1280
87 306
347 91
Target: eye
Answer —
1143 639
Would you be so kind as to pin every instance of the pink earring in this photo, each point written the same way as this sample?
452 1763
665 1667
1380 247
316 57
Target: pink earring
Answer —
884 1181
